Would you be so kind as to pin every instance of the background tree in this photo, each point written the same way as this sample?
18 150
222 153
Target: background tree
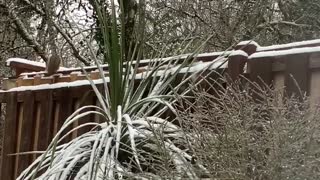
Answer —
230 21
30 27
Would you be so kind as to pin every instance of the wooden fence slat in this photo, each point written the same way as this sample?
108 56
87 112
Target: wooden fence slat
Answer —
87 100
97 118
45 130
260 74
56 115
101 89
9 138
27 131
83 96
261 70
76 123
66 109
297 66
19 129
36 137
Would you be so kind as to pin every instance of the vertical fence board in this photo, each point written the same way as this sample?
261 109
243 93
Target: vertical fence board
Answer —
88 100
98 118
9 138
76 123
46 118
261 70
297 74
19 129
84 96
66 108
56 115
260 74
27 130
36 137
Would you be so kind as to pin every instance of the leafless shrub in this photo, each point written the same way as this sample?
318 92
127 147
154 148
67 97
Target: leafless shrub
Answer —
236 136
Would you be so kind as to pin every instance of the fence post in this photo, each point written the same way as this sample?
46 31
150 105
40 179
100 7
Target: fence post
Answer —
236 64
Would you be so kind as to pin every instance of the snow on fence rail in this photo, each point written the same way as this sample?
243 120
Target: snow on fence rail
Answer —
64 75
35 113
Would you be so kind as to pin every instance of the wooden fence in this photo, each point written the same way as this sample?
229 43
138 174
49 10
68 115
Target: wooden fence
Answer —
34 116
293 68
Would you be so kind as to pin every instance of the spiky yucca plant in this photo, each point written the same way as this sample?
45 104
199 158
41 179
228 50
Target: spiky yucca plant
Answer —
133 135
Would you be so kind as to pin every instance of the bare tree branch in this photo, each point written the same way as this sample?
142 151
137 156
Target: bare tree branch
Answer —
22 30
288 23
64 34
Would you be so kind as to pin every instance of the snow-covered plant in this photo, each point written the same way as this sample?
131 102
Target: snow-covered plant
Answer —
135 140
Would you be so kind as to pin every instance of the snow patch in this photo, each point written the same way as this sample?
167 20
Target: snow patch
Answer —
29 62
63 68
32 73
56 85
290 45
193 68
25 61
199 66
249 42
225 53
285 52
184 56
85 68
238 53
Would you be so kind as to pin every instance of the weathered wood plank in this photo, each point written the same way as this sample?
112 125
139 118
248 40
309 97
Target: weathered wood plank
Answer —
26 129
9 138
36 137
84 101
66 109
261 70
75 124
45 120
82 96
297 74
